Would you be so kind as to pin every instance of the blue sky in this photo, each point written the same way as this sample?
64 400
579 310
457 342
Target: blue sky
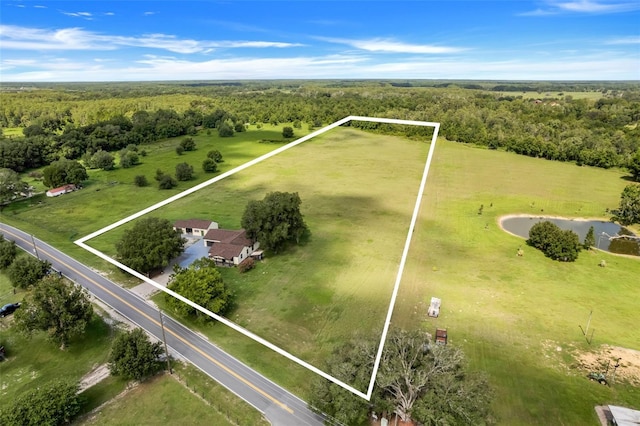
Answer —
206 40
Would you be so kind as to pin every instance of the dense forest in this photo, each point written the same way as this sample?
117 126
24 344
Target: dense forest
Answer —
549 120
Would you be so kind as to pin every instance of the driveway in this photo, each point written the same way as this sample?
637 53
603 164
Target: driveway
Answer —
194 250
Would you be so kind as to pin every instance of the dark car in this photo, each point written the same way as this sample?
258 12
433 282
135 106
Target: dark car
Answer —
8 309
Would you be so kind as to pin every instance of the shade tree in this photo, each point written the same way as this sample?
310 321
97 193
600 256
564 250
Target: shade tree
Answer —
628 211
275 220
134 356
56 306
201 283
26 271
149 245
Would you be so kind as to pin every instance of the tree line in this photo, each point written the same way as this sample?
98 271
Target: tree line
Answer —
600 132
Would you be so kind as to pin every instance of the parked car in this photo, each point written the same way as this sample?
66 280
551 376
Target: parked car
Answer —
8 309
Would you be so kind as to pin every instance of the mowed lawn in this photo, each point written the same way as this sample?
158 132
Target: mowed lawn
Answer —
518 317
358 191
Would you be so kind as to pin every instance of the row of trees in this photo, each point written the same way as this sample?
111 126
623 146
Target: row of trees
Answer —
601 132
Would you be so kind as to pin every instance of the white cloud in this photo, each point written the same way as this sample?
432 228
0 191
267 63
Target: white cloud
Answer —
24 38
84 15
39 6
625 40
149 13
391 46
150 67
583 6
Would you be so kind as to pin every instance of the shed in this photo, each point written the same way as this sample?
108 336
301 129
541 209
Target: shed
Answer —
441 336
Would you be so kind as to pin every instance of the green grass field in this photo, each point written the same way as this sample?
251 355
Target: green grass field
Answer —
163 399
358 191
506 311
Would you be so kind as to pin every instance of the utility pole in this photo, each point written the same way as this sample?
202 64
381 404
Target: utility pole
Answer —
35 249
164 339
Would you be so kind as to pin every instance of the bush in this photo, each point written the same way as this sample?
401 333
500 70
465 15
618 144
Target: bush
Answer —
167 182
287 132
209 165
225 131
140 180
188 144
246 265
179 149
184 171
554 242
215 155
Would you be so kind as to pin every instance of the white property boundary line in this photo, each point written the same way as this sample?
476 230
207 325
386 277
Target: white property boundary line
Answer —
81 242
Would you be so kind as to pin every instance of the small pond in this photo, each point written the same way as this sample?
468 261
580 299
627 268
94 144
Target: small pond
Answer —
609 236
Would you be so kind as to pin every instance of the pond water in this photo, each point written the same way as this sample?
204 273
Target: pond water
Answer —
609 236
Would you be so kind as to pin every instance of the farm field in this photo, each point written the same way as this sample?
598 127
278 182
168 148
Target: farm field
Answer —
516 317
358 191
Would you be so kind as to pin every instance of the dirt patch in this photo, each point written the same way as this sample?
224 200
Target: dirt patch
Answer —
605 355
93 377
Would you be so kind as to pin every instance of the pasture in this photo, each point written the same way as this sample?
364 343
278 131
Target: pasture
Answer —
516 317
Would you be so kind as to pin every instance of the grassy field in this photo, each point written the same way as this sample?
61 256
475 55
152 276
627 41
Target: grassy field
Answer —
358 192
516 317
166 399
510 313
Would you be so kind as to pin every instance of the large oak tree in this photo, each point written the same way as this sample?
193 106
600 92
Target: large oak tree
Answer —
57 307
149 245
275 221
417 380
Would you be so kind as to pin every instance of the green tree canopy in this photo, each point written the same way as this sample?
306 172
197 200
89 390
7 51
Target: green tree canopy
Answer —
287 132
103 160
184 171
628 211
133 356
415 376
634 166
11 186
56 306
209 165
188 144
225 130
215 155
589 239
149 245
554 242
26 271
50 404
8 252
63 172
275 220
201 283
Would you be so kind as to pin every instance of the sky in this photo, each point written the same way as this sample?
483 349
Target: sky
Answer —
48 41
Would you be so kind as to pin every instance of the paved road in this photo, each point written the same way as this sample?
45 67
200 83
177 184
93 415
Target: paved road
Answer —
279 406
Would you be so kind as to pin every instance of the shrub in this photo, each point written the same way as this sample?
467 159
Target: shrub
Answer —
188 144
140 180
287 132
179 149
215 155
167 182
184 171
209 165
246 265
